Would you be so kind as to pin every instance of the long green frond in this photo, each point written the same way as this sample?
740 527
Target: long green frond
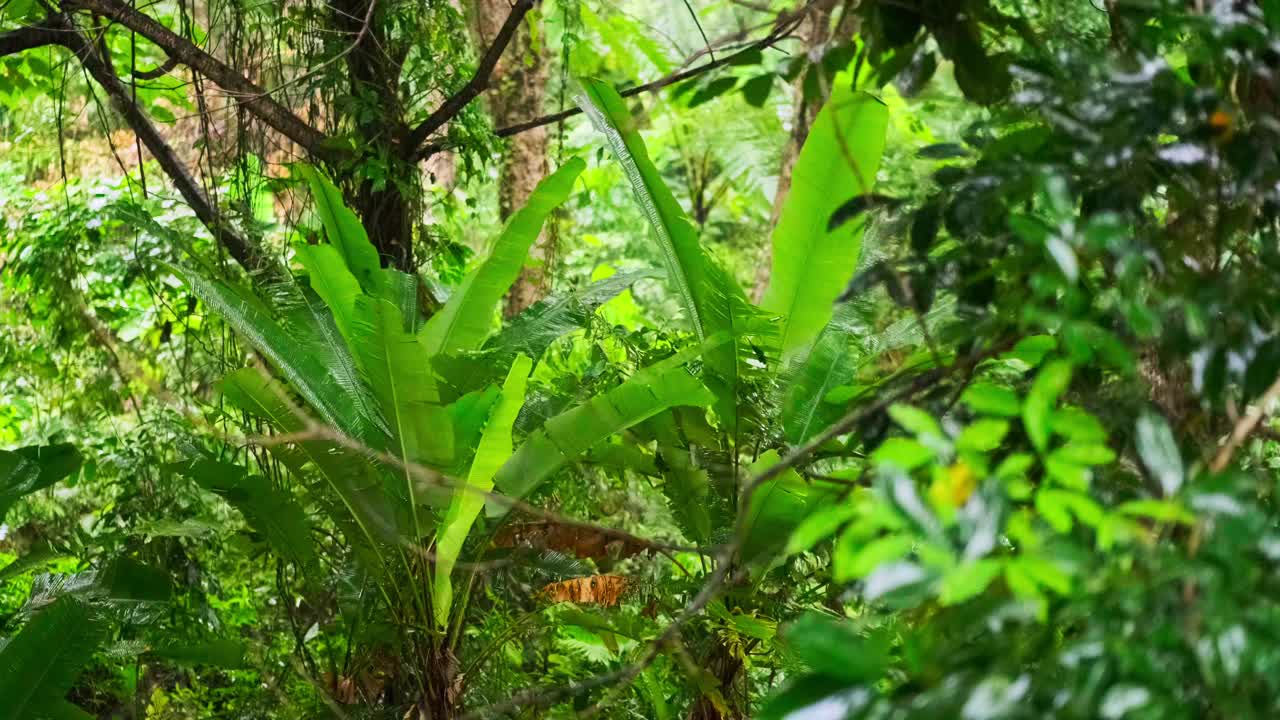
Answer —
495 448
466 319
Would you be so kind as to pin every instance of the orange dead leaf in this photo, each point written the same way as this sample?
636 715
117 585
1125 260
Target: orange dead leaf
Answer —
603 590
570 539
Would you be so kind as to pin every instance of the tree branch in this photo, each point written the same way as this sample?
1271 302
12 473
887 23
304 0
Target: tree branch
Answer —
247 93
779 34
450 108
243 251
28 38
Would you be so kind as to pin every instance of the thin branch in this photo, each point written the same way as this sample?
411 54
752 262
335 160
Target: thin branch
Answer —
1245 426
773 38
241 249
244 91
157 72
479 81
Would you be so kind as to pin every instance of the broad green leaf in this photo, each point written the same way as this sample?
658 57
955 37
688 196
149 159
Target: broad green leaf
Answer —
346 234
567 436
905 453
820 525
711 299
218 652
332 281
983 435
914 420
39 665
968 580
329 345
495 448
271 512
853 561
775 509
26 470
830 362
466 319
1049 384
831 647
991 399
1159 451
812 265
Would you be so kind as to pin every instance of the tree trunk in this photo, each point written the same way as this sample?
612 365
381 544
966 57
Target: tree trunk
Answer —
385 200
815 32
517 92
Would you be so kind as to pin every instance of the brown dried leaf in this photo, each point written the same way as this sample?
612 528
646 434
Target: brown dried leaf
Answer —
581 542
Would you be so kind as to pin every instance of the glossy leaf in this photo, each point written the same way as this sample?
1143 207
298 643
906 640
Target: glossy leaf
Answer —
811 263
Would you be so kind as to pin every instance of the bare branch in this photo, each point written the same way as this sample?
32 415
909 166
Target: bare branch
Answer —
157 72
254 99
241 249
450 108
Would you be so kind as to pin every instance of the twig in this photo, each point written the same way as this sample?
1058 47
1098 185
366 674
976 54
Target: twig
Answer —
779 34
1244 427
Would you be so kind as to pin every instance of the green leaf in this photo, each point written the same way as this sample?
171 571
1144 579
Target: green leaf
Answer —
660 386
1058 507
819 526
495 448
348 475
1159 451
346 234
295 360
811 264
756 90
1159 510
829 362
39 665
271 512
983 435
29 469
712 301
395 363
905 453
915 421
466 319
218 652
1084 454
1077 426
332 281
776 509
991 399
969 580
1049 384
830 647
858 561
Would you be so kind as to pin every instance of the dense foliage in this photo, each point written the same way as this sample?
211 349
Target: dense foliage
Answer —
798 360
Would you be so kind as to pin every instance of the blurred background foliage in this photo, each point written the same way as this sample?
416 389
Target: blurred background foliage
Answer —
1023 466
